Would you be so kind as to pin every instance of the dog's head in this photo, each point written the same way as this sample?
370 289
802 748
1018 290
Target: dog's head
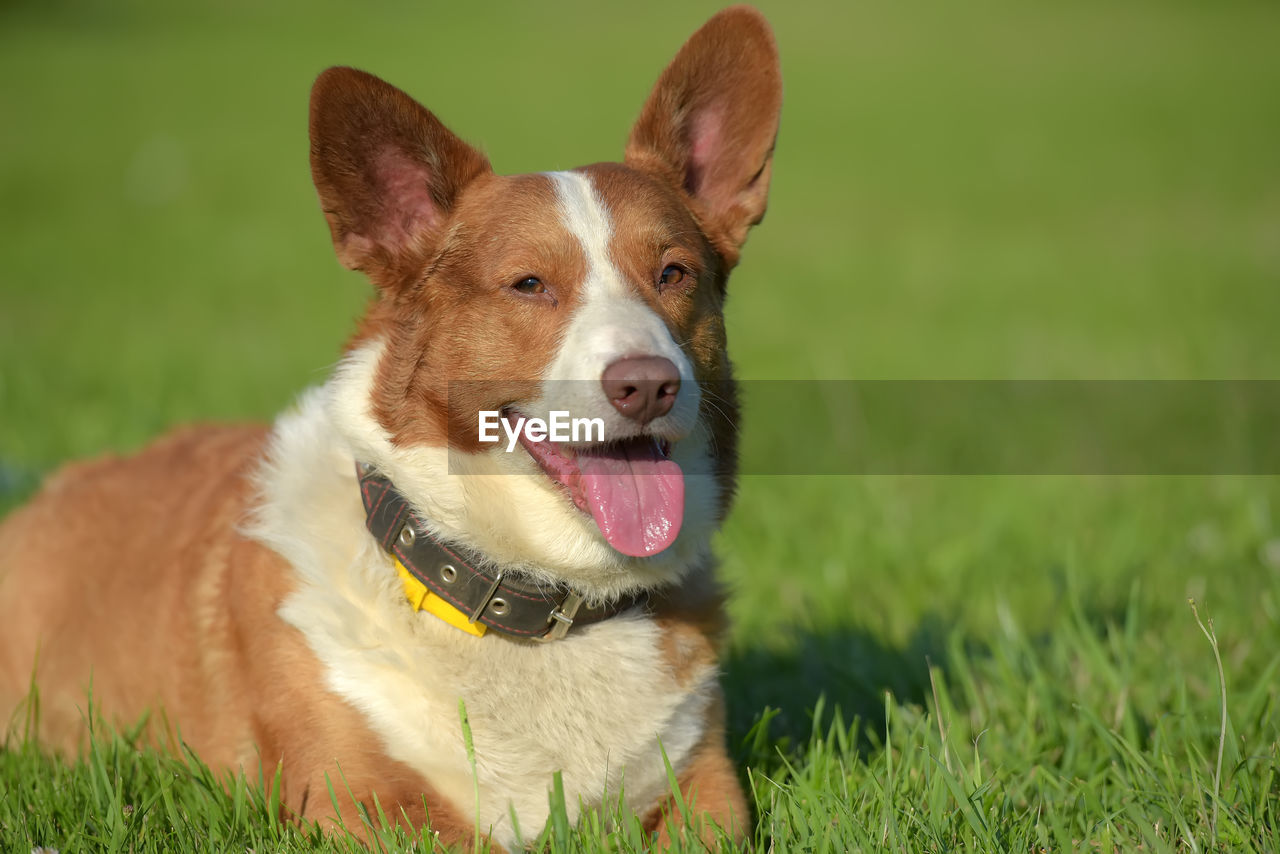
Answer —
596 293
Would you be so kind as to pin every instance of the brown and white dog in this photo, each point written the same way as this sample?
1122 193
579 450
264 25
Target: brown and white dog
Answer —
227 577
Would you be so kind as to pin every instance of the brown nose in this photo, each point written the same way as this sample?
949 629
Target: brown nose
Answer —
641 387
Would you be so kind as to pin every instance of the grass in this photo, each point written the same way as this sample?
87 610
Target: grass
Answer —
981 191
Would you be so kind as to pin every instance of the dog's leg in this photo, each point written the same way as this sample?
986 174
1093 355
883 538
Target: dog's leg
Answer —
402 799
710 790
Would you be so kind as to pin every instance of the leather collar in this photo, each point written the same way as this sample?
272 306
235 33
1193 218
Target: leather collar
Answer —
501 601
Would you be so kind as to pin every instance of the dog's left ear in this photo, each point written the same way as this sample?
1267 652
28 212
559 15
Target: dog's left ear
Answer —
710 123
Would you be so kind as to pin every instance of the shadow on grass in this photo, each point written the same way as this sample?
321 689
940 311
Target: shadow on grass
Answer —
849 668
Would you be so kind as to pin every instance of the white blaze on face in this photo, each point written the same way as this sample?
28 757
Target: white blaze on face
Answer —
633 490
611 323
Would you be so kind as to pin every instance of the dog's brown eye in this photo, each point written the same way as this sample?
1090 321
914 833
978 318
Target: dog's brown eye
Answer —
530 285
671 275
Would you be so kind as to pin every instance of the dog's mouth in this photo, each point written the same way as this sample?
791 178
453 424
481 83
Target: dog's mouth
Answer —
633 490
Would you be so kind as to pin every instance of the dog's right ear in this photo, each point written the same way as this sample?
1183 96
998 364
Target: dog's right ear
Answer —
387 171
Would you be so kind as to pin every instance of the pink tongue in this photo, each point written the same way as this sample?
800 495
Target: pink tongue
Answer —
635 494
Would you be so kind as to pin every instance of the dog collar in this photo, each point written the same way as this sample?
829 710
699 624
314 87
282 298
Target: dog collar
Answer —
438 579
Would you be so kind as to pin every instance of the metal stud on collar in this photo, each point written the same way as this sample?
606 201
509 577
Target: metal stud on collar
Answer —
407 535
448 573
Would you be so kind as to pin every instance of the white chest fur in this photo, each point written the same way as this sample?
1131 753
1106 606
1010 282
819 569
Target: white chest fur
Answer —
599 706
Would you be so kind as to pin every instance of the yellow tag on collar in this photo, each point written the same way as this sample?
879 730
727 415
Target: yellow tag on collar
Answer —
422 599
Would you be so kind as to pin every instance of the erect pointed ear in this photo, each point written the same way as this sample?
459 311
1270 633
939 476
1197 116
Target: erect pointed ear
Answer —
387 171
710 123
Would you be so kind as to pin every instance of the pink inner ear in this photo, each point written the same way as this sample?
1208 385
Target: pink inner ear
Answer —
704 146
406 206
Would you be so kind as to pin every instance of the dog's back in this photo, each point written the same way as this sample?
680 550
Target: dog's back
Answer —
102 574
130 583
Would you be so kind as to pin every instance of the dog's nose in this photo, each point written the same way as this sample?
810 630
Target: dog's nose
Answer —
642 387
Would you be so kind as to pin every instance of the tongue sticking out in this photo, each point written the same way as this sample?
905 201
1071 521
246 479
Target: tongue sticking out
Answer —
635 494
632 490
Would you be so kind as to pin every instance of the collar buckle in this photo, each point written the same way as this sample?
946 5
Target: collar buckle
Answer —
563 616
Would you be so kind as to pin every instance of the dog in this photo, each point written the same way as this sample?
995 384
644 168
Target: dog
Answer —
349 596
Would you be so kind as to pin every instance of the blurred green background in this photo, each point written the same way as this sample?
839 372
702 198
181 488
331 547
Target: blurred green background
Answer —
1084 190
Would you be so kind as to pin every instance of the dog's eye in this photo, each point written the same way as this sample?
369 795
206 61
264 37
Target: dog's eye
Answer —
671 276
530 285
